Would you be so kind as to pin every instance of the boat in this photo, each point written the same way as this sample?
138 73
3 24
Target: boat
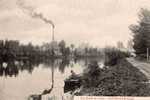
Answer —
72 83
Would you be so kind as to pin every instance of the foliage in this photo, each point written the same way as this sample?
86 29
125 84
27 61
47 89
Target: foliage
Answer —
141 32
112 55
12 49
122 79
62 46
120 45
91 74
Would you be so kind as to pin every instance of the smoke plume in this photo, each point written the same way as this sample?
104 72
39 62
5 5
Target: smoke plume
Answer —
31 12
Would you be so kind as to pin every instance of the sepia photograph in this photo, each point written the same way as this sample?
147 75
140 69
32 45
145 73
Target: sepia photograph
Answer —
74 49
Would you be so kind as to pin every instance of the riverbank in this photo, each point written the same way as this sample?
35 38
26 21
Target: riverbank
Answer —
121 79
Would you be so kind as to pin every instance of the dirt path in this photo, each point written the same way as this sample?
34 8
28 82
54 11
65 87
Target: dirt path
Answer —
142 66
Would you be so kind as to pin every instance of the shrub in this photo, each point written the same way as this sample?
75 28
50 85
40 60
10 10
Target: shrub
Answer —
91 74
112 55
122 79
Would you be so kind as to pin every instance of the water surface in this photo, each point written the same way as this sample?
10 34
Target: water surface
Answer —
19 80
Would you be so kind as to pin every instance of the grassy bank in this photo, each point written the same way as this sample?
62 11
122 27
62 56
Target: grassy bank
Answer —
117 78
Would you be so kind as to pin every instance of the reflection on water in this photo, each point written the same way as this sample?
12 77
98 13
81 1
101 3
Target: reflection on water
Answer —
24 78
13 67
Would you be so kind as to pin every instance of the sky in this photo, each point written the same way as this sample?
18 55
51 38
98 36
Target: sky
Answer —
97 22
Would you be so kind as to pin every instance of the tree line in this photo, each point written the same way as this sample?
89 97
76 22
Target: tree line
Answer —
13 49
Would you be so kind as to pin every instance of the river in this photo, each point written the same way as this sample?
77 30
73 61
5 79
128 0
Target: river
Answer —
20 79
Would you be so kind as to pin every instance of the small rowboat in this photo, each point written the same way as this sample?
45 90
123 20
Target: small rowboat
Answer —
72 83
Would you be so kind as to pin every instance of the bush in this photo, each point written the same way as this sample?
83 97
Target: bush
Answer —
122 79
112 55
91 74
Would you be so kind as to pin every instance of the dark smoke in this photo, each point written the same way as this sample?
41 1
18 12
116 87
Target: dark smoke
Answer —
40 16
31 12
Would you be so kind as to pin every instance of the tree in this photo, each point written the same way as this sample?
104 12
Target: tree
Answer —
72 46
67 51
141 32
72 49
130 45
62 46
120 45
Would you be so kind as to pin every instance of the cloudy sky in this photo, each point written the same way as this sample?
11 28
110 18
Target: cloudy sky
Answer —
98 22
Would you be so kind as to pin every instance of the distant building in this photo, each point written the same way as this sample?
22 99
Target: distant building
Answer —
54 46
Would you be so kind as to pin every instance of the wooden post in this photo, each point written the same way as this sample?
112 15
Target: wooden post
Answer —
147 54
62 97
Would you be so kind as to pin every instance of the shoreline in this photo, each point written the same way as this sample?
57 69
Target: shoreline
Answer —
122 79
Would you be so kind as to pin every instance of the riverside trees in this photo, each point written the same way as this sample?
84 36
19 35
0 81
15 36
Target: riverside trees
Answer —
141 33
30 51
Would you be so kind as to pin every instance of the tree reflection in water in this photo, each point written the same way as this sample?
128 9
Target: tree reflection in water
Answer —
61 63
8 69
47 91
13 68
